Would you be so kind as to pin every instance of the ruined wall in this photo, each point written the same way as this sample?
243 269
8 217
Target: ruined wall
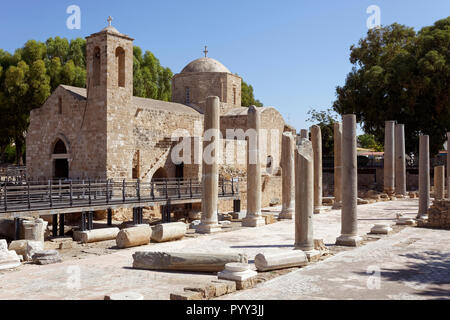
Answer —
272 128
271 194
439 214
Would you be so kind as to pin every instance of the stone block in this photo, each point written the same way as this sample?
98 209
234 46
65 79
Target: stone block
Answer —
186 295
381 228
230 286
46 257
347 240
8 259
208 291
19 246
32 247
269 218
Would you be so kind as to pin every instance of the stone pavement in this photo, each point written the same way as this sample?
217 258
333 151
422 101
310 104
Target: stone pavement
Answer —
407 250
412 264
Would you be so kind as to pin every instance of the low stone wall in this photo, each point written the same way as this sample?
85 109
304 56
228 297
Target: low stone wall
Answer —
271 194
369 181
439 214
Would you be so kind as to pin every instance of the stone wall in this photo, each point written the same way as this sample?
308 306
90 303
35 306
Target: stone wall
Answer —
271 193
79 126
368 181
439 214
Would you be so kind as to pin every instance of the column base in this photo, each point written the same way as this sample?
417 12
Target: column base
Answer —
208 228
348 240
286 215
406 222
320 209
422 217
381 229
253 221
337 206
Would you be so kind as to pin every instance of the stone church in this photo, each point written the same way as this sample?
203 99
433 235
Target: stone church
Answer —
104 132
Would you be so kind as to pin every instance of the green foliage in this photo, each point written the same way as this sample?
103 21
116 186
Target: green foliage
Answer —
401 75
151 80
368 141
325 119
247 96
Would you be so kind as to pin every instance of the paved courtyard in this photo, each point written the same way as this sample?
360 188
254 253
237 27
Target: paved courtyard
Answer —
412 263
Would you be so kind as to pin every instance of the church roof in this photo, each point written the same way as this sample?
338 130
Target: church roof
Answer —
243 111
111 29
81 93
205 65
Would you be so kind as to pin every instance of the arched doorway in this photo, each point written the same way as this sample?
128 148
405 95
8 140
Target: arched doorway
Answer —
61 162
159 174
179 171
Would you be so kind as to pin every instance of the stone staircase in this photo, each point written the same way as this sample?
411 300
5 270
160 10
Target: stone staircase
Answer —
164 145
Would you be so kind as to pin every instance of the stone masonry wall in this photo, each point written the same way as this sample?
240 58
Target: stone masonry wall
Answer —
439 214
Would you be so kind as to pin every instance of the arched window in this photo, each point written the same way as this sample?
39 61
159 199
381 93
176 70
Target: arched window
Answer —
60 147
269 164
96 66
120 58
188 95
136 165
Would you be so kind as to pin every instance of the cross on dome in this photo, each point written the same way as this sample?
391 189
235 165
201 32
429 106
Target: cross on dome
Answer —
110 19
206 51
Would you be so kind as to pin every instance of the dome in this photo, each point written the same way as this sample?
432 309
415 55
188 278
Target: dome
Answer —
205 65
111 29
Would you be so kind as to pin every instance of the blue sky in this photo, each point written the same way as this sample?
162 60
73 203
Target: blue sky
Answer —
294 53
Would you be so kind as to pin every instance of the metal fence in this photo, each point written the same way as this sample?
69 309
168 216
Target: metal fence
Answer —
56 194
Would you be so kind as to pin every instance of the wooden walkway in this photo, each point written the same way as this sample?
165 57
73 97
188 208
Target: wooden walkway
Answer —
67 196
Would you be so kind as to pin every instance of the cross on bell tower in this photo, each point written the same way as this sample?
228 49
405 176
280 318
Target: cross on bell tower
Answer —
206 51
110 19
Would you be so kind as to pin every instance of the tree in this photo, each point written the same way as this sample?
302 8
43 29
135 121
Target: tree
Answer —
325 119
247 96
368 141
151 80
401 75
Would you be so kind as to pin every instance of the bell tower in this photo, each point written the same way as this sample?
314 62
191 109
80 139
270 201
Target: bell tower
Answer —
109 59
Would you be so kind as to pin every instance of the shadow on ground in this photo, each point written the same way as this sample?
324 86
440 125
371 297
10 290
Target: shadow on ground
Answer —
430 268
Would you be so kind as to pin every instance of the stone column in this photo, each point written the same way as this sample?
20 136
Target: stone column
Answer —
303 134
316 139
400 164
337 165
288 176
439 182
448 165
210 173
389 160
424 175
349 220
304 198
253 217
